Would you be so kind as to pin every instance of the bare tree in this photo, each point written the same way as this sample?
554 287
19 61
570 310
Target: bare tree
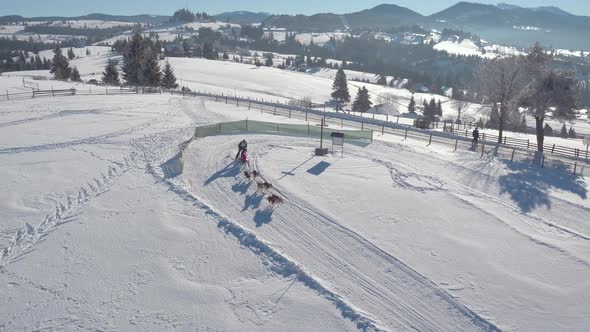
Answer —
553 91
387 98
547 90
500 85
460 105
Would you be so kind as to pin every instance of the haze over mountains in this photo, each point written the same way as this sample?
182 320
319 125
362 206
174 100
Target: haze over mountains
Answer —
502 23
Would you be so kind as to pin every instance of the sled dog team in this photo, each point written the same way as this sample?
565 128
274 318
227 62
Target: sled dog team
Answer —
262 187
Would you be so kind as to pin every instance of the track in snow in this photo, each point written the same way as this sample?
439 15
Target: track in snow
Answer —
367 278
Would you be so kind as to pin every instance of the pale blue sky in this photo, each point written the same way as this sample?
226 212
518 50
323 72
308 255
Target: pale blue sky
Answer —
129 7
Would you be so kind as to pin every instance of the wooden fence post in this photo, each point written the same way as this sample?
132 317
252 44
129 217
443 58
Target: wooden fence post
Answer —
249 102
387 117
382 129
575 167
528 144
306 116
430 140
275 112
456 143
362 125
341 123
397 120
512 157
226 99
52 92
406 136
289 113
543 161
553 148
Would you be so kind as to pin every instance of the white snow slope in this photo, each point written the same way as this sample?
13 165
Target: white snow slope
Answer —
392 236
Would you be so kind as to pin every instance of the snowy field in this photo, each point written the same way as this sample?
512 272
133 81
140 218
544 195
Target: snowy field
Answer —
97 237
108 246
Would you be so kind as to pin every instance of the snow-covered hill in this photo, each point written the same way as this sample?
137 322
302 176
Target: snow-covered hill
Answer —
395 235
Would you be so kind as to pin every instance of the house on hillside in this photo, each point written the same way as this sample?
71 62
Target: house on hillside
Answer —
385 109
174 50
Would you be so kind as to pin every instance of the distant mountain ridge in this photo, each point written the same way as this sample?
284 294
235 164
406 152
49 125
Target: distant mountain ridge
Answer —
242 17
144 18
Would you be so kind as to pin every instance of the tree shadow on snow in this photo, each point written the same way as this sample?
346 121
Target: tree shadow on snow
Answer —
230 171
263 217
529 186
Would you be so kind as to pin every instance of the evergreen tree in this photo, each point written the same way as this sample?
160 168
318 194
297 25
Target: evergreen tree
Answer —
168 77
412 106
152 72
425 109
268 61
88 51
382 80
208 51
362 102
225 56
340 88
71 54
110 76
439 109
132 61
563 133
60 67
572 133
547 130
75 76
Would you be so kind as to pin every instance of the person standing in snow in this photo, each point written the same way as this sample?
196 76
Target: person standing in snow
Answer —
241 147
475 136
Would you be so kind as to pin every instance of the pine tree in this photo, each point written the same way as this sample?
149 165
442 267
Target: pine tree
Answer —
225 56
152 72
547 130
208 51
340 88
362 102
425 109
75 76
88 51
110 76
71 54
382 80
439 109
412 106
572 133
132 61
60 67
168 77
563 133
268 61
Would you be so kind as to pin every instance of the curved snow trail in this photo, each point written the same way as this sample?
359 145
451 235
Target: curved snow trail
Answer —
380 286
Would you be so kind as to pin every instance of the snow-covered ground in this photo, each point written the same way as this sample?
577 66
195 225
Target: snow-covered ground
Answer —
406 236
